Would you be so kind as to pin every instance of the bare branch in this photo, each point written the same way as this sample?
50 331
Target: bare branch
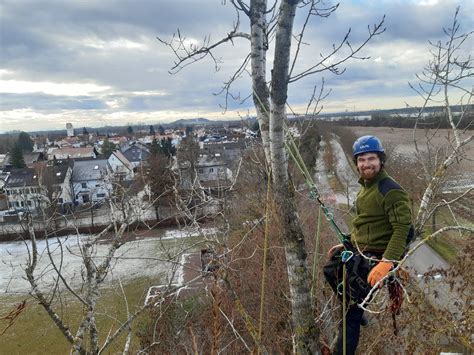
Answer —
324 64
189 53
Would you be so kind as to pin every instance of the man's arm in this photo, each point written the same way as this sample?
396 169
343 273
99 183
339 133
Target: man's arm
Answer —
397 208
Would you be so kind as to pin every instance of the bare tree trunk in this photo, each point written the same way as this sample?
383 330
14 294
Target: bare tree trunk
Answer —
305 331
271 120
259 46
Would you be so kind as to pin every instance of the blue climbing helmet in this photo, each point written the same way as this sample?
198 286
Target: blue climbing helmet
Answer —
366 144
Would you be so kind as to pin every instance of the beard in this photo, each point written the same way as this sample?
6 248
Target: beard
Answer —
369 173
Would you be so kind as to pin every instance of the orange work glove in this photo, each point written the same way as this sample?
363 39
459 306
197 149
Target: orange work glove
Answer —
379 272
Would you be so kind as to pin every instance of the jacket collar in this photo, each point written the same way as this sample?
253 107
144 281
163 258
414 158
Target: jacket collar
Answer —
381 175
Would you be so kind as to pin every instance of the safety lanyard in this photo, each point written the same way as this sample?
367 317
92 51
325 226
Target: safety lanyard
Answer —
314 194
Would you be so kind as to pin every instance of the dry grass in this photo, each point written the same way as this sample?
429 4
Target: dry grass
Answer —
402 139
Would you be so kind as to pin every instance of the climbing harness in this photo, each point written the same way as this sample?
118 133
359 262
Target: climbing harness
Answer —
356 267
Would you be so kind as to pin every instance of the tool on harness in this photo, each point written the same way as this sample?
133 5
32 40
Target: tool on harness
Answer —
357 270
346 255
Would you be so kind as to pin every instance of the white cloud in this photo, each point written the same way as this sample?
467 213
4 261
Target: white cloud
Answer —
150 93
5 72
120 43
427 2
114 104
66 89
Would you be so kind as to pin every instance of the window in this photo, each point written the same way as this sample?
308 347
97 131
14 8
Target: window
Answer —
30 203
100 195
211 170
200 171
61 200
84 185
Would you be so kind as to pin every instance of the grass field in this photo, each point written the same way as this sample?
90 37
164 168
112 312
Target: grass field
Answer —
33 332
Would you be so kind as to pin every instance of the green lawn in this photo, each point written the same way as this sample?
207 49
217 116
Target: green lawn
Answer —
34 332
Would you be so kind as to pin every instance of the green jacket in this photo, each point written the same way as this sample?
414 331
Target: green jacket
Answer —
383 217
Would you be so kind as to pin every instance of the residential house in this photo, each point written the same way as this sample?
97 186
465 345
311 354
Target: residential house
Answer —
5 162
33 188
41 144
120 167
72 153
213 174
229 152
32 158
68 142
136 154
90 181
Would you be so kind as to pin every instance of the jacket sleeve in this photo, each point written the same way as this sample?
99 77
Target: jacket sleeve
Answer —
397 208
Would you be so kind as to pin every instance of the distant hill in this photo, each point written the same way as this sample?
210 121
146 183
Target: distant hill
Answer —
190 121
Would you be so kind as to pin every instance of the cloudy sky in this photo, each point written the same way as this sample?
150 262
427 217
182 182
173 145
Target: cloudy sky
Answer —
98 62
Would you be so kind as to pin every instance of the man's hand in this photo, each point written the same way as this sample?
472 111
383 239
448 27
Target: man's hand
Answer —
333 249
379 272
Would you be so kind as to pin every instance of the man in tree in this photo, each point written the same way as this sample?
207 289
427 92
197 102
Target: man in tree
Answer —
382 228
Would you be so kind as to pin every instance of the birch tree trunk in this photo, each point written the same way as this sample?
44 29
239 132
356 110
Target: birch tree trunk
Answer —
259 46
304 329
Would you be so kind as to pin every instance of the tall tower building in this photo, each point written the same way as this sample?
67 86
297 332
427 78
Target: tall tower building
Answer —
70 130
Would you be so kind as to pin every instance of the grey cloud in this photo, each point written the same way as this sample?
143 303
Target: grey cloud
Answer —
42 102
43 41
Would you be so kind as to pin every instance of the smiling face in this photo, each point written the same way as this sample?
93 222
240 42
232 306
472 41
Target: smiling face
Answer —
368 165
